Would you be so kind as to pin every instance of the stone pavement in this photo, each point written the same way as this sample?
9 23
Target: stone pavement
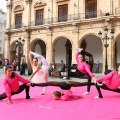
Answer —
2 74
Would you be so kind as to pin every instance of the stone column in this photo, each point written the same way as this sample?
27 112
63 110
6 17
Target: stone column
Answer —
7 46
28 13
9 14
49 48
27 45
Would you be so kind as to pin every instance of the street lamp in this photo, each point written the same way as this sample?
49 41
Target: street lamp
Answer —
19 43
106 38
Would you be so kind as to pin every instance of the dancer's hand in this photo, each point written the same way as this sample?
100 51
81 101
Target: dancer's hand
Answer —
94 79
9 102
28 84
28 50
79 49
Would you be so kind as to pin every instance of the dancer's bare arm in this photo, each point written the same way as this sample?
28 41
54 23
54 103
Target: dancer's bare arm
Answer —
37 69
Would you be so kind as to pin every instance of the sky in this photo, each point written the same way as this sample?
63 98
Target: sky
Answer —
3 5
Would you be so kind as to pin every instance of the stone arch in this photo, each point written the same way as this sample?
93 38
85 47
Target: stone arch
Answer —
84 36
88 43
116 50
18 7
42 44
57 38
62 49
13 49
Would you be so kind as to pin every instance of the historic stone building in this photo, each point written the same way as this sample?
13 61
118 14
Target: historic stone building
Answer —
2 30
55 28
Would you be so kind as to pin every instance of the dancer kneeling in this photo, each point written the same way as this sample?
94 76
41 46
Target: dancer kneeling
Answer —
66 93
110 82
11 84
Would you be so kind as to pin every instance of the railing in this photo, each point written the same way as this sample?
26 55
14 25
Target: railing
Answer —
70 18
16 26
117 11
89 15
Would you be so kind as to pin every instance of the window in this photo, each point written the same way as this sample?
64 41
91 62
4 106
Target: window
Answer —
18 20
90 9
62 13
39 17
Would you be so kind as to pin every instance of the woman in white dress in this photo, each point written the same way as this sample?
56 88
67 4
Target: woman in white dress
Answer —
40 74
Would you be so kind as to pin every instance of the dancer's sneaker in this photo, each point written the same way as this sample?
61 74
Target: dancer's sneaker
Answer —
64 78
29 97
86 93
98 97
99 84
41 93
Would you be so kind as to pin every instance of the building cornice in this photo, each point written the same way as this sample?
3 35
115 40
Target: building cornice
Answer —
57 1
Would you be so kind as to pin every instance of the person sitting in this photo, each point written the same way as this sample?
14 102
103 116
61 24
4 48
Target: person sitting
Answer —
52 68
62 69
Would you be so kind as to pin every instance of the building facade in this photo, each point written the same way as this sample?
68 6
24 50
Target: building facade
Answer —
2 30
55 28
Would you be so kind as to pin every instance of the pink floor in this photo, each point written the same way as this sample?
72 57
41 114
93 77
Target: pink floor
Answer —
44 108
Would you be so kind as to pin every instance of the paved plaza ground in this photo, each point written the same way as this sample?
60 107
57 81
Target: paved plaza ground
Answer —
42 107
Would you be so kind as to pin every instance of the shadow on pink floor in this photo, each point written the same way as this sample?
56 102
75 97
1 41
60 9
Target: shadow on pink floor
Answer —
44 108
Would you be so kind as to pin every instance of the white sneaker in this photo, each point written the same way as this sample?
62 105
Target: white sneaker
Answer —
99 84
64 78
86 93
41 93
96 97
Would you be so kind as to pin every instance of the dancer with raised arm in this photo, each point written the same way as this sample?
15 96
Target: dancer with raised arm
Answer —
110 82
11 85
83 67
65 93
40 74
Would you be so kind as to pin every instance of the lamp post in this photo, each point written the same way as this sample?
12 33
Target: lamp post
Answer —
19 43
106 38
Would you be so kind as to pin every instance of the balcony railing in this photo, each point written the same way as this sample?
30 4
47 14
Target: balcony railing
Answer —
89 15
16 26
117 11
69 18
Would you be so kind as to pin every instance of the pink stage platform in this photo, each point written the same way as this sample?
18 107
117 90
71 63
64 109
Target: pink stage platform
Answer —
44 108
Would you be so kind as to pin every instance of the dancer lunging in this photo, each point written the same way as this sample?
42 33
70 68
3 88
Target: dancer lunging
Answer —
40 74
65 93
11 85
110 82
83 67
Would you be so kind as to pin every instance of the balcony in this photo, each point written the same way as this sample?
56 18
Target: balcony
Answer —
17 26
117 11
69 18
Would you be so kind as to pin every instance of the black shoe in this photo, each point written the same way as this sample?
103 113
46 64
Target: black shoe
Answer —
27 97
32 84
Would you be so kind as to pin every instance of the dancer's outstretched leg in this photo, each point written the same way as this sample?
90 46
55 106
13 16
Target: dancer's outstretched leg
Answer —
50 83
54 83
78 84
21 88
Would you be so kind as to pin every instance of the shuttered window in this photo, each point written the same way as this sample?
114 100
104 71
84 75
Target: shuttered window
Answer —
39 17
90 9
18 20
62 13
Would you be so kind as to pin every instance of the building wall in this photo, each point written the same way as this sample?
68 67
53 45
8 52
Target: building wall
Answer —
76 29
2 29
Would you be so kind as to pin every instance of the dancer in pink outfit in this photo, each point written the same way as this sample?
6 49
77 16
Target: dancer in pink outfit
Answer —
65 93
40 74
109 82
83 67
11 84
